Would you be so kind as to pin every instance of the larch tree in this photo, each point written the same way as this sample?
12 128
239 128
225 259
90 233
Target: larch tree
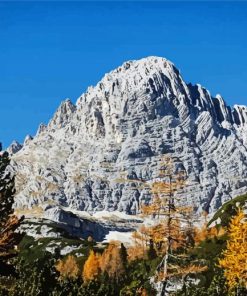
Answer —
9 238
91 269
112 261
234 260
141 240
68 268
163 207
174 224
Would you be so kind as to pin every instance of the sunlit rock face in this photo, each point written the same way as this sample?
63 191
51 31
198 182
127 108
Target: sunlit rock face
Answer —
91 155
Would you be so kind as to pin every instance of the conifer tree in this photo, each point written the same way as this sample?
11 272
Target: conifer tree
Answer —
151 253
6 189
123 255
112 261
68 268
170 211
234 261
91 269
9 239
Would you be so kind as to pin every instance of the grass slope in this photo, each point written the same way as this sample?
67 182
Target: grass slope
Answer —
229 209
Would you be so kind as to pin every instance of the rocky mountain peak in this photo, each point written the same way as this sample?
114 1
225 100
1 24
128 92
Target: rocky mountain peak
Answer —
62 115
92 154
27 140
223 112
14 147
42 128
145 74
240 114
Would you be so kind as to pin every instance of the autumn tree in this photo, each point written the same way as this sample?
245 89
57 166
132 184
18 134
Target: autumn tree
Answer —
135 252
112 261
9 238
234 260
167 232
205 231
68 268
164 189
141 240
174 227
91 269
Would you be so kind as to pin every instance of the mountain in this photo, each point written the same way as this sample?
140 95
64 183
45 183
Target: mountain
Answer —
92 155
14 147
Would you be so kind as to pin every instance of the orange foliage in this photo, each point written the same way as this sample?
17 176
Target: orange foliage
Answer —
111 261
135 252
200 234
203 233
141 241
191 269
213 232
142 236
234 261
167 232
221 231
91 269
141 292
175 221
8 237
67 268
158 234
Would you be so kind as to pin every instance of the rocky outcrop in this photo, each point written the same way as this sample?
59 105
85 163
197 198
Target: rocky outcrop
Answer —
92 155
14 147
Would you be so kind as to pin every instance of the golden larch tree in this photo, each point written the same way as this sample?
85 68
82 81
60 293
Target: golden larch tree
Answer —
91 269
168 231
68 268
174 222
139 248
234 260
111 261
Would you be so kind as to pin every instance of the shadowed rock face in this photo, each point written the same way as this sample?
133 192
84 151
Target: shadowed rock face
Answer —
90 155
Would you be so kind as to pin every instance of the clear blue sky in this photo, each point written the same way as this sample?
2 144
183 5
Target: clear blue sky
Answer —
53 50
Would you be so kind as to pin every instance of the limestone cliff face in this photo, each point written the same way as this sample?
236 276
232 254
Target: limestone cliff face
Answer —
90 155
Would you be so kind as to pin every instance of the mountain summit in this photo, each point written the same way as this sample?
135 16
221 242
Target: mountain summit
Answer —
91 155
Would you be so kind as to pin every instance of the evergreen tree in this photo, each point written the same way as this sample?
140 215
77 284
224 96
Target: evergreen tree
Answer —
38 278
151 251
9 239
123 254
6 189
218 284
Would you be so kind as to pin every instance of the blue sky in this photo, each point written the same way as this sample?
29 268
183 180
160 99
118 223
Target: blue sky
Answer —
53 50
